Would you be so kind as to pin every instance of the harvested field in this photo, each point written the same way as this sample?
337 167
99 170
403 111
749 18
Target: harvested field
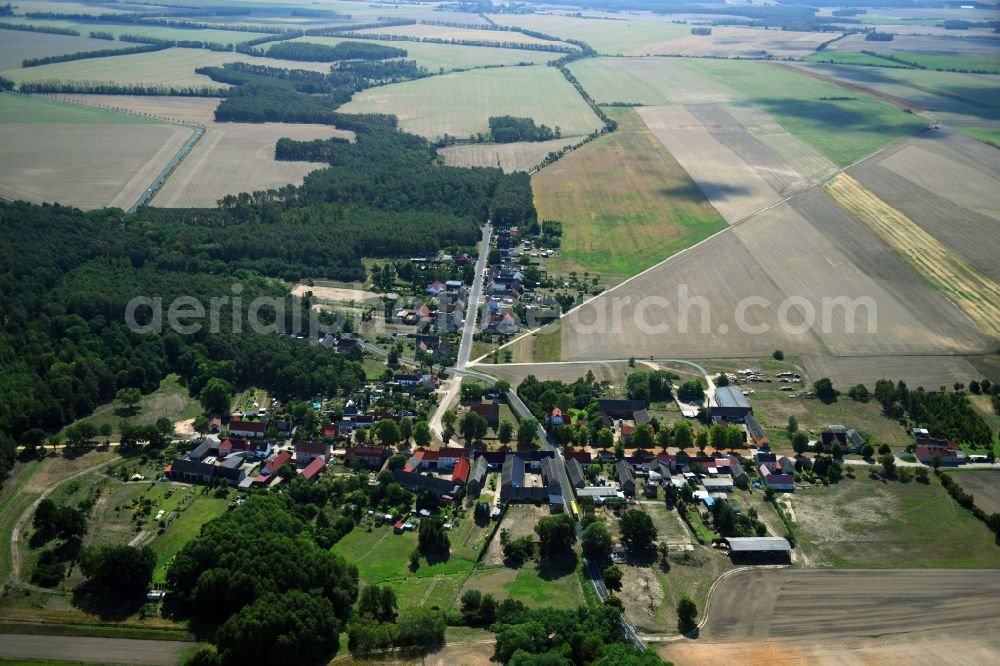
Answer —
731 42
522 156
982 46
436 57
975 293
984 485
847 618
17 46
733 187
461 104
170 67
927 371
193 110
611 36
425 31
772 258
624 201
238 157
953 201
866 523
647 81
154 31
613 372
59 152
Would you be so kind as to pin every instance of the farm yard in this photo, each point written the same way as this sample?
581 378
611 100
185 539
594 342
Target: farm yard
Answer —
624 202
56 151
460 104
825 617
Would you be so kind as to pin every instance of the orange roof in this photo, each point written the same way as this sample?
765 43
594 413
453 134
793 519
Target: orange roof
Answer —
461 473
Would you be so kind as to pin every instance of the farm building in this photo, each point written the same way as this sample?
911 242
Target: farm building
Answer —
415 482
240 428
461 472
370 456
575 471
269 472
621 409
516 485
948 452
739 475
730 405
768 459
625 477
489 411
195 471
755 430
759 548
306 452
477 477
312 470
775 480
599 493
719 484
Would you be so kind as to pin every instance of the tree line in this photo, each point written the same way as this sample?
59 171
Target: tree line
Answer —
84 55
323 53
26 27
510 129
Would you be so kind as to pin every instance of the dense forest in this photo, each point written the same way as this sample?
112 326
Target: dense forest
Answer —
64 344
342 51
509 129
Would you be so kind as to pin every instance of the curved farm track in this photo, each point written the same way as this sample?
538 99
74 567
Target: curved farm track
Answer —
799 616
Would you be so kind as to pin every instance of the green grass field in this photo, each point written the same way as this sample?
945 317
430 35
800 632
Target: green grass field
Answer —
609 37
448 57
841 130
183 529
171 401
461 103
541 585
935 61
31 109
867 523
624 201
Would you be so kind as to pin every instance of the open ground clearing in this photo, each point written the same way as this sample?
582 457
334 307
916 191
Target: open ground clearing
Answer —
805 251
336 292
867 523
446 57
238 157
984 485
615 36
535 584
943 182
460 104
975 293
847 618
519 521
17 46
624 201
170 67
521 156
170 400
55 151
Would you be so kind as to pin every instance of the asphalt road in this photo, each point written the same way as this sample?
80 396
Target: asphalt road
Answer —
91 650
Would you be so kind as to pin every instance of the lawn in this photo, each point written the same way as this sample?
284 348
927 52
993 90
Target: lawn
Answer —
868 523
183 529
448 57
461 103
669 528
624 201
843 130
170 401
540 585
24 109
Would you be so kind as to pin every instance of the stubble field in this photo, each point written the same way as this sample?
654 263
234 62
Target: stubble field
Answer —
460 104
786 616
55 151
18 46
426 31
520 156
984 486
624 201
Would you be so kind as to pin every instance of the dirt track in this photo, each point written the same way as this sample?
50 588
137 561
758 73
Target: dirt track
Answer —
890 616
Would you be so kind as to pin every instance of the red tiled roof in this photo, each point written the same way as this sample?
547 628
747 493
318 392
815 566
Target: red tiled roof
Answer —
367 450
313 468
461 473
247 426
